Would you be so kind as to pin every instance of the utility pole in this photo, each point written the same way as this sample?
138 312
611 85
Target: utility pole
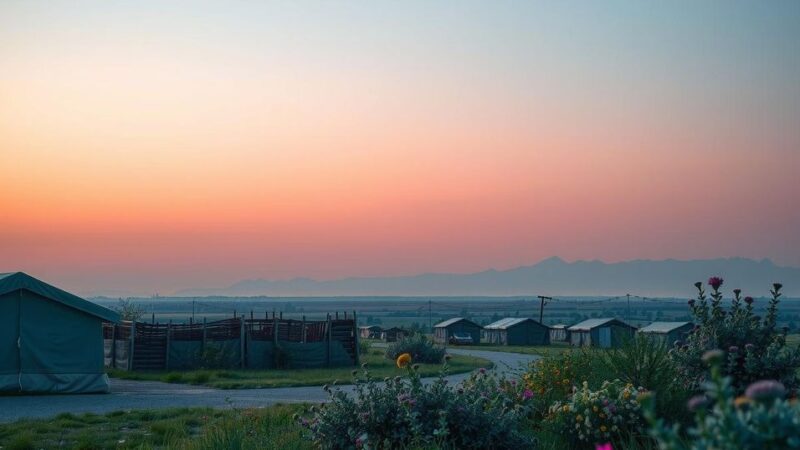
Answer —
628 319
430 317
193 300
542 302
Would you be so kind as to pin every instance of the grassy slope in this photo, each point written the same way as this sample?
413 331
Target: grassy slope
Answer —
378 365
267 428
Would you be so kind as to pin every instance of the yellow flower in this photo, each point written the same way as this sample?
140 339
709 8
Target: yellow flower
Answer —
741 401
603 428
578 418
403 360
565 408
626 395
594 408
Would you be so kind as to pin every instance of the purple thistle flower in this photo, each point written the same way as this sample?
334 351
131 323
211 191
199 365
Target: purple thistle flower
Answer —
764 390
528 394
749 346
482 370
715 282
691 302
748 300
712 357
698 285
737 291
733 349
697 402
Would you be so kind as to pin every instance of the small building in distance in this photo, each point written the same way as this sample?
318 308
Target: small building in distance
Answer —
393 334
603 333
559 333
667 332
442 331
370 332
516 331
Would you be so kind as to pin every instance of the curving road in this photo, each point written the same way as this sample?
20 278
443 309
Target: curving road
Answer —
128 395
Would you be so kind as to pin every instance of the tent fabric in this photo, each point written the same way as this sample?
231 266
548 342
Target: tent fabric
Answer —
14 281
48 345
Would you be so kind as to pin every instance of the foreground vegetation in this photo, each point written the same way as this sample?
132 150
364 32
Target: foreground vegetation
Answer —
252 379
189 429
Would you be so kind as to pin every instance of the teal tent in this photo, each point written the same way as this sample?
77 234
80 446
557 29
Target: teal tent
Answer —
50 340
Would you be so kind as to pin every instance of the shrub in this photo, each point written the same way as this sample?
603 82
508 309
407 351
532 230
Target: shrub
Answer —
553 377
588 417
761 419
646 362
421 349
363 347
483 413
754 348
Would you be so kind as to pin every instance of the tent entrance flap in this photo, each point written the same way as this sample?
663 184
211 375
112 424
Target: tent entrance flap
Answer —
9 341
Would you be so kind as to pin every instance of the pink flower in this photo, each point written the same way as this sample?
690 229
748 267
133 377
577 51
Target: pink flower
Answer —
715 282
606 446
482 370
527 394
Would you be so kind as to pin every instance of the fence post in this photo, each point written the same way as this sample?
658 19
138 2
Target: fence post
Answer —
328 337
133 345
203 345
241 341
274 330
169 339
355 339
114 345
303 330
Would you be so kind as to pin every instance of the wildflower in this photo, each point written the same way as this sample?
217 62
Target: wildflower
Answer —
691 303
528 394
748 300
765 390
749 346
566 381
698 285
482 370
741 401
606 446
697 402
578 418
733 349
565 408
737 291
777 286
403 360
712 357
715 282
603 428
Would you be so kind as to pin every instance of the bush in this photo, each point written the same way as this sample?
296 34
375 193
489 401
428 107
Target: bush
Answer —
483 413
588 417
646 362
553 377
421 349
761 419
754 348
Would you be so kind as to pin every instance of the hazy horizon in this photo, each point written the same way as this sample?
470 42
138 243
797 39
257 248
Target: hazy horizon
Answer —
155 146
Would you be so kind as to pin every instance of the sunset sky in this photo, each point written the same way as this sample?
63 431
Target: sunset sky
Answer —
152 146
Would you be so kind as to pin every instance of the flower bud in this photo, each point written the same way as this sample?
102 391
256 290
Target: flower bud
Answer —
713 357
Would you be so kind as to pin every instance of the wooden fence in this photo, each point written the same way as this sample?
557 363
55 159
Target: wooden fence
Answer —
166 346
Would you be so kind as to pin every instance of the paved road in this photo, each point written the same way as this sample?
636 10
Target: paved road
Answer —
128 395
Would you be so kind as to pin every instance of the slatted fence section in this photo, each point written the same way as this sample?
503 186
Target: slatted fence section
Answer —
148 346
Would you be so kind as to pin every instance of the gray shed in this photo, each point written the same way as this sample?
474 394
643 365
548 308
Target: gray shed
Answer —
443 330
604 333
516 331
559 333
667 332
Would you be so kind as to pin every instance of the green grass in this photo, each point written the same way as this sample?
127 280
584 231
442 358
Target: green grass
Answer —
528 350
378 365
195 428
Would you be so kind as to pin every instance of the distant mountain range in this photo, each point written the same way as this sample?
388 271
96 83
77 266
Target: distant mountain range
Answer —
552 276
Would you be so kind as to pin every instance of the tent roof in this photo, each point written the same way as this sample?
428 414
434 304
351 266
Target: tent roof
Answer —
10 282
594 323
507 322
663 327
449 322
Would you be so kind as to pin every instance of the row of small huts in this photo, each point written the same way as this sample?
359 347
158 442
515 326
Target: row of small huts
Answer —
602 332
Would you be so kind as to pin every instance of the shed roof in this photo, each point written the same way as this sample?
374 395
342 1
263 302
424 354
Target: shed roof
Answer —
454 320
663 327
594 323
13 281
508 322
